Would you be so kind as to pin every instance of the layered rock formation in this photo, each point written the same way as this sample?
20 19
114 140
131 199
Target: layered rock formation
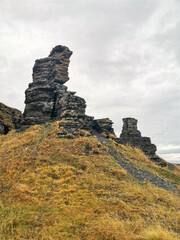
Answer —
10 118
104 127
44 94
47 99
131 135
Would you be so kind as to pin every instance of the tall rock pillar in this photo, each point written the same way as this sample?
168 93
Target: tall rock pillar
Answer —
49 75
47 99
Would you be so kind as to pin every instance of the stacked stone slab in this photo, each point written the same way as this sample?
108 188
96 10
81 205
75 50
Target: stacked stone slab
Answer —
10 118
43 94
131 135
47 99
104 127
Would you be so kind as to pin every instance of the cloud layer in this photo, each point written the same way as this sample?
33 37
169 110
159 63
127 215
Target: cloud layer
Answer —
126 58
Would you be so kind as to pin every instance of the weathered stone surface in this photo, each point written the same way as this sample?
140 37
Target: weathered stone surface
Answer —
104 126
131 135
10 118
54 68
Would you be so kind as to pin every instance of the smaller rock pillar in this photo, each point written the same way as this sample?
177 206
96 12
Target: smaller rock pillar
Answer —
132 136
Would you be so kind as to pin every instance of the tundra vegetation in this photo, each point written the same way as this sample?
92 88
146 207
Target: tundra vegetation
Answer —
57 188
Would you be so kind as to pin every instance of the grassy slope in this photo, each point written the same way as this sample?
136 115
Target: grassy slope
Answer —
73 189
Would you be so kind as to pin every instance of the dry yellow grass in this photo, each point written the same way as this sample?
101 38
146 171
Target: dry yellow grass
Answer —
73 189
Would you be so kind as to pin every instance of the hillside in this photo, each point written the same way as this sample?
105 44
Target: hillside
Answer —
83 188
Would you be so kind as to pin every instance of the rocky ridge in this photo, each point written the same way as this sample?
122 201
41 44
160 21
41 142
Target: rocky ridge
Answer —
47 99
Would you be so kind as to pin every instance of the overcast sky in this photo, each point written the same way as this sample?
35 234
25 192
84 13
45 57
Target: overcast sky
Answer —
125 62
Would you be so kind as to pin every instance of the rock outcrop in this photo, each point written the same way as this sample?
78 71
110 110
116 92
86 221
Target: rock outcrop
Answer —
47 99
131 135
104 127
44 94
10 118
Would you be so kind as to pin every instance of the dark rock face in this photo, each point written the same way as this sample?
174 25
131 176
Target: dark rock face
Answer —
54 68
47 99
44 94
104 126
131 135
10 118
